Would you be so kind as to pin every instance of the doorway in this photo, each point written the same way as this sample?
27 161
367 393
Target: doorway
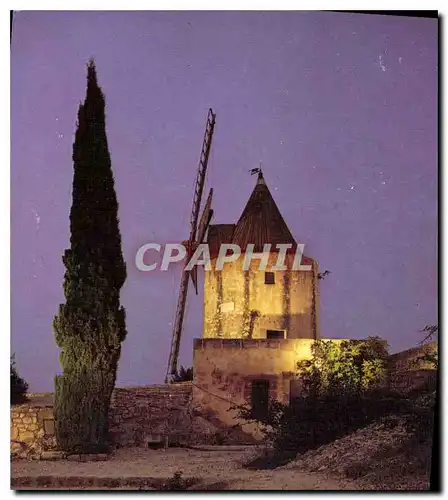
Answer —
260 399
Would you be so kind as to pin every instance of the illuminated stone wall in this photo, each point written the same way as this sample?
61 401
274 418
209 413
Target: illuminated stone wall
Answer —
225 369
32 429
238 304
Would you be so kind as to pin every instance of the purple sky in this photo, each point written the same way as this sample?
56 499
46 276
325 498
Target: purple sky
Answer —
340 108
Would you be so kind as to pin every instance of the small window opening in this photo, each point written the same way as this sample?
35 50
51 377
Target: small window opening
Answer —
269 278
275 334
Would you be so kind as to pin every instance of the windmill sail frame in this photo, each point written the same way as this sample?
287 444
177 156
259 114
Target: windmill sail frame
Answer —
196 237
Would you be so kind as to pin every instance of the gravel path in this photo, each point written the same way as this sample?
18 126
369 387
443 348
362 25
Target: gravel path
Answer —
220 466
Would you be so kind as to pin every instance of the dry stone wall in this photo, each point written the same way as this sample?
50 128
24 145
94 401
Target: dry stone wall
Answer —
145 415
407 371
139 416
32 430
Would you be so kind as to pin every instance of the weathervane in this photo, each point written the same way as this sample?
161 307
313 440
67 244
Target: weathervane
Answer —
254 171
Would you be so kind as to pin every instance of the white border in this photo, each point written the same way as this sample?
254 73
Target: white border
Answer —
5 181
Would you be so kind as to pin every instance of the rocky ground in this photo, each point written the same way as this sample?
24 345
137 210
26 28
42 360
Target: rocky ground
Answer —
377 457
213 468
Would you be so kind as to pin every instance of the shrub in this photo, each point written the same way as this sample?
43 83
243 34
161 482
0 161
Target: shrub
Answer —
348 367
183 375
177 483
18 385
341 391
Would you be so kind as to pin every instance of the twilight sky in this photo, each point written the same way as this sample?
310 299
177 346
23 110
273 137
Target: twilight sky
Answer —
341 109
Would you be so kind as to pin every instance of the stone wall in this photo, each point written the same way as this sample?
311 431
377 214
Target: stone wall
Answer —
143 415
138 416
32 429
407 371
224 370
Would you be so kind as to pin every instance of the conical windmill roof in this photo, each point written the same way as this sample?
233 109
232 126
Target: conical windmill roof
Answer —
261 221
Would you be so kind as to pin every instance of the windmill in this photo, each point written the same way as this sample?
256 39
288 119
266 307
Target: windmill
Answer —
197 234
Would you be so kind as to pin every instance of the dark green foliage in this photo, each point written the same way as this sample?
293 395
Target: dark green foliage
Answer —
430 357
312 422
90 326
18 385
178 483
183 375
83 409
348 367
340 393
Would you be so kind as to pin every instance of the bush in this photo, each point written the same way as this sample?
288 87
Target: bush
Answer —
341 392
183 375
178 483
348 367
310 422
18 385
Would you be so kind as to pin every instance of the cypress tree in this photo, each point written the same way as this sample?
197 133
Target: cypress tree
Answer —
90 326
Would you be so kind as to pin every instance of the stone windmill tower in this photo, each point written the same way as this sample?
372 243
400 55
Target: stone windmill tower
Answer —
257 323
